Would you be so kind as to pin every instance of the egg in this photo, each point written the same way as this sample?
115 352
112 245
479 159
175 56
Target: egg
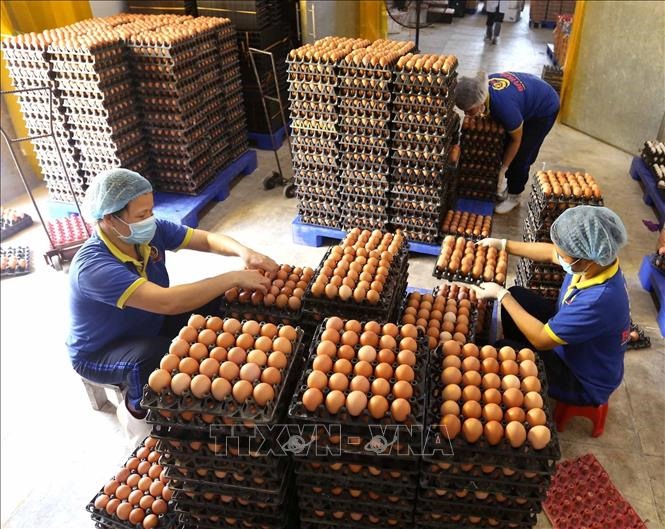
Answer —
512 397
516 413
136 516
250 372
360 383
242 390
378 406
531 383
282 344
472 429
200 386
451 375
263 393
526 354
277 359
334 401
180 383
509 367
271 375
229 370
367 353
237 355
450 426
159 380
356 402
364 369
490 365
493 432
507 353
400 409
533 400
317 379
471 409
539 436
404 372
471 393
515 433
449 407
323 363
510 381
492 412
528 368
452 392
380 386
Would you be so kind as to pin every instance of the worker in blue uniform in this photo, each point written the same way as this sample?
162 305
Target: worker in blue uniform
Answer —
582 337
123 311
526 107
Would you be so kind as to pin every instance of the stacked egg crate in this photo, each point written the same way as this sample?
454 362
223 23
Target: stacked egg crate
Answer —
219 439
364 132
492 447
27 61
653 155
482 156
359 415
314 101
180 90
552 193
423 129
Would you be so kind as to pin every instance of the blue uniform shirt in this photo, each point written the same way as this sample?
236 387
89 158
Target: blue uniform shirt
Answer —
102 278
516 97
592 326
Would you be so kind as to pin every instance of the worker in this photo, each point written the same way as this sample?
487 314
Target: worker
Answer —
123 311
526 107
582 337
494 11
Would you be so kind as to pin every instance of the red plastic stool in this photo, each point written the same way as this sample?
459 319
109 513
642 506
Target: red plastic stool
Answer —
564 412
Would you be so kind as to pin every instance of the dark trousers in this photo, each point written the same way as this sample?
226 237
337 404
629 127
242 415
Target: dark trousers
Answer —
131 360
533 134
493 24
563 384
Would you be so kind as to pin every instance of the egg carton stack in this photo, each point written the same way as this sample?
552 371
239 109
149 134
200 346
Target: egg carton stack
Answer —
461 259
493 445
26 57
653 155
93 80
179 85
364 132
482 156
481 313
215 403
314 110
365 276
13 221
422 132
358 408
14 261
552 193
138 496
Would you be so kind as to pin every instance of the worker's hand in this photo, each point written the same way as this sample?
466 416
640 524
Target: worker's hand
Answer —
490 242
258 261
251 280
490 291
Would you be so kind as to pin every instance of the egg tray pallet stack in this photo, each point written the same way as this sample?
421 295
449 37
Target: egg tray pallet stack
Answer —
28 65
482 151
185 125
317 308
422 130
653 154
313 105
217 454
13 222
364 138
545 279
465 485
482 310
15 261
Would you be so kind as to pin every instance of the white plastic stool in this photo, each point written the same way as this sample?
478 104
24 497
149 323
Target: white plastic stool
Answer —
97 393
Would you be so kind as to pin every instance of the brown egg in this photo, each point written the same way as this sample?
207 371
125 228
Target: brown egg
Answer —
335 322
400 409
282 344
449 407
510 381
471 378
338 381
312 399
528 368
232 325
408 343
200 386
512 397
269 330
367 353
531 384
180 383
378 406
526 354
451 375
470 363
404 372
263 393
507 353
159 380
189 334
360 383
277 359
452 392
326 348
536 417
515 434
472 429
539 436
237 355
380 386
450 426
220 388
242 390
363 368
317 379
334 401
403 389
271 375
356 402
226 340
491 380
386 355
487 351
214 323
406 357
516 413
471 393
383 370
229 370
533 400
350 338
136 516
255 356
179 347
322 363
492 412
343 366
493 432
471 409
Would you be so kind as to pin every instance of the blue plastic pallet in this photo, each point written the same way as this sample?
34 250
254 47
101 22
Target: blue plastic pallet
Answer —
653 281
262 139
185 209
640 171
314 235
479 207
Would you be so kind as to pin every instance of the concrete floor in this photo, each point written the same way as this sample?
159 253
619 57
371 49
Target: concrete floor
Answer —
57 451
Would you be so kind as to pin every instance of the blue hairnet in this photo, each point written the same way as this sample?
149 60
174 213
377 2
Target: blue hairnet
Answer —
112 190
589 232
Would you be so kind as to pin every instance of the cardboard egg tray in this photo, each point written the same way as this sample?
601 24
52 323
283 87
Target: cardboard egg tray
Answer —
304 191
380 132
12 222
441 273
15 261
418 178
372 185
372 108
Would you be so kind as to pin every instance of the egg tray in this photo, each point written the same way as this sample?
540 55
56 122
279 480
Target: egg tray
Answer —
373 88
312 133
642 342
348 109
18 252
346 148
307 65
357 162
312 88
416 233
302 142
403 76
311 502
481 452
549 293
381 515
540 273
11 227
451 519
314 127
532 234
542 201
407 162
191 521
371 94
531 504
404 485
351 142
405 105
487 196
470 236
487 509
302 97
366 132
102 519
461 278
424 179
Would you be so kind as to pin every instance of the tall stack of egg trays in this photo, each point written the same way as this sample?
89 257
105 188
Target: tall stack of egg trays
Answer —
313 107
422 118
357 413
364 132
481 159
552 193
492 445
215 405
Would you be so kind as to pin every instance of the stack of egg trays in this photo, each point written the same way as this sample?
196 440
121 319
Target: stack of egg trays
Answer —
481 316
446 274
364 138
184 122
95 87
318 308
313 108
422 124
350 491
14 261
12 222
29 67
544 278
480 162
456 466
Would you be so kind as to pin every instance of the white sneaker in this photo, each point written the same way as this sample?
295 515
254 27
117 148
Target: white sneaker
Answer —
511 202
135 429
502 189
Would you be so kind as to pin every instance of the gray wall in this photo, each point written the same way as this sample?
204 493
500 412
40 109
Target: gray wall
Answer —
107 8
618 90
328 17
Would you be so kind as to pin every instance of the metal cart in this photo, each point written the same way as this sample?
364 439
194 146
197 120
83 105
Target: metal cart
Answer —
57 254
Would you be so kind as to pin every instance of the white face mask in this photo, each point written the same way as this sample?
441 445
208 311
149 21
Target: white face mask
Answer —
139 232
568 267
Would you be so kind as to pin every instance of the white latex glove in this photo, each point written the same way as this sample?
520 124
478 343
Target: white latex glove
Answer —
490 242
490 291
502 173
